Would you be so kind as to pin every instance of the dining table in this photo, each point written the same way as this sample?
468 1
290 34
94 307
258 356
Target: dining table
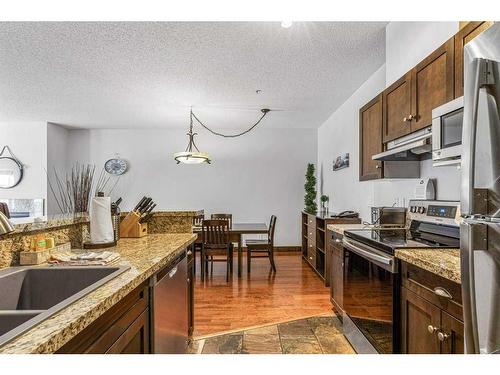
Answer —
236 232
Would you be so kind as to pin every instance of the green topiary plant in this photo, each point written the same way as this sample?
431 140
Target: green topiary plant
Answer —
310 187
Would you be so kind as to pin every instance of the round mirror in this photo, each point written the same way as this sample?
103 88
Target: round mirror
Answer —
11 172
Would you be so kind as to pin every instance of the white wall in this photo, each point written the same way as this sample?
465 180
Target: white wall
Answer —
408 43
339 134
28 142
251 177
57 150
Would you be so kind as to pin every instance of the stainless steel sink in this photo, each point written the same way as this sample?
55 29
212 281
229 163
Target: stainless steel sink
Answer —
29 295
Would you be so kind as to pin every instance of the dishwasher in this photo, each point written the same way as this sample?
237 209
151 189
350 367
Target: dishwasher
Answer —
169 314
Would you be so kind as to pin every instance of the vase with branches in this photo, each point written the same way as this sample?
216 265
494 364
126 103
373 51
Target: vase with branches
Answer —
324 204
311 206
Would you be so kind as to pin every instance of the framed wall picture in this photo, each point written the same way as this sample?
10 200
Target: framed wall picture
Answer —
342 161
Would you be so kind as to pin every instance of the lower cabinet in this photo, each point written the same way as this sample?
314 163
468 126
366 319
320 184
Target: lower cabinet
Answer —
123 329
430 311
128 326
336 272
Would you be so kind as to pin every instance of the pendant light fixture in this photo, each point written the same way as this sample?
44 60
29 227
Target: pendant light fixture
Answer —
192 155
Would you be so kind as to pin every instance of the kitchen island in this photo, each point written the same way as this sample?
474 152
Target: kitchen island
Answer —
145 256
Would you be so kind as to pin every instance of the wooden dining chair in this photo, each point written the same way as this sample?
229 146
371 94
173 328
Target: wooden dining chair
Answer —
197 223
260 247
215 243
228 217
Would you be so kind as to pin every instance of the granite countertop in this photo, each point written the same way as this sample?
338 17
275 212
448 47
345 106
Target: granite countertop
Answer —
340 228
145 256
442 262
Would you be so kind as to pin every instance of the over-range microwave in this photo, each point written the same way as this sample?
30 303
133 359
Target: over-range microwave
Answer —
447 133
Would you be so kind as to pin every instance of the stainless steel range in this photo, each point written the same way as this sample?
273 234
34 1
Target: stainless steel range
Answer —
371 272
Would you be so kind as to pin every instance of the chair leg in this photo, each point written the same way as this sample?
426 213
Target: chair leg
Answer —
212 264
249 259
271 259
228 265
202 264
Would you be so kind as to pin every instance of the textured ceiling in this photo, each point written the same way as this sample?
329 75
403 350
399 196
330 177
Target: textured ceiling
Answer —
148 74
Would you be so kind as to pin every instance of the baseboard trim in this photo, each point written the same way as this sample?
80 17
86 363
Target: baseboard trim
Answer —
279 249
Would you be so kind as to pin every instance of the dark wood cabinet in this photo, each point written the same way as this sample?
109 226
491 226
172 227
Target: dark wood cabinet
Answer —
431 313
396 108
417 315
370 139
432 84
315 241
468 32
453 335
336 272
122 329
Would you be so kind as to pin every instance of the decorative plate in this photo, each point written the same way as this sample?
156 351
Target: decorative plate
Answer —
115 166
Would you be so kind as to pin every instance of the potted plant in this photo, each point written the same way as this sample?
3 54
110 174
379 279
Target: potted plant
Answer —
324 204
310 187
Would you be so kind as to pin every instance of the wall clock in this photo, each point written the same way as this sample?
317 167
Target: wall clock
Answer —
116 166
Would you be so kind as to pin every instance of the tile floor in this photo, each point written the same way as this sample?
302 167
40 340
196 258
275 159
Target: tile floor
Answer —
315 335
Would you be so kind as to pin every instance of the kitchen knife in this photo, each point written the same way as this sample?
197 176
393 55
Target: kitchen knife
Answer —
148 215
118 201
147 208
140 203
144 205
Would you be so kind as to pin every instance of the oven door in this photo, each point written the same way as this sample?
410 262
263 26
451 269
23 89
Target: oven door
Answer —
370 299
447 133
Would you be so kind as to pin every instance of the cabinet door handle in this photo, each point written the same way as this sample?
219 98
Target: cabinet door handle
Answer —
189 253
432 329
443 336
337 240
442 292
377 166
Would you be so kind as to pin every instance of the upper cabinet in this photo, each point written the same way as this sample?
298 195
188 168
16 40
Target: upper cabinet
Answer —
370 139
397 108
406 106
468 32
408 102
432 84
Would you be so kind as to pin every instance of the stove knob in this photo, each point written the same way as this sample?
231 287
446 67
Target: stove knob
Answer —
421 210
413 208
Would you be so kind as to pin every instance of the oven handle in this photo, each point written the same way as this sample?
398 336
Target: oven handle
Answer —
367 254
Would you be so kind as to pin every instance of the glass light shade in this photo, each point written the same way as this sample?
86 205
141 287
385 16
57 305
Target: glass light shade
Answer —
192 157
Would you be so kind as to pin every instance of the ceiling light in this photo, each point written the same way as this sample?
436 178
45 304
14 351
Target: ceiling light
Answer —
191 156
286 24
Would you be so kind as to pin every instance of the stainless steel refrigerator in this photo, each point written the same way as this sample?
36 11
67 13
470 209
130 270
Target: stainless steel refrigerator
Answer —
480 193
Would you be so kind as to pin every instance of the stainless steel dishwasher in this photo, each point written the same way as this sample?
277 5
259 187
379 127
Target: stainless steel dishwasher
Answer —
169 315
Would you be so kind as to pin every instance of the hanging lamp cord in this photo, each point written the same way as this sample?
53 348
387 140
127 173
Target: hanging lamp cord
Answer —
264 111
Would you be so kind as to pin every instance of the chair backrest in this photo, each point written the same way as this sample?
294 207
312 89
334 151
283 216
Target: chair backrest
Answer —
215 232
228 217
198 220
272 227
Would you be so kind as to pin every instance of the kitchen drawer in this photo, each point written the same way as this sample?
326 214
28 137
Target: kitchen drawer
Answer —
311 235
311 255
433 288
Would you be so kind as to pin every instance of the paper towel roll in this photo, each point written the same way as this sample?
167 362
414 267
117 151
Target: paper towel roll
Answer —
101 227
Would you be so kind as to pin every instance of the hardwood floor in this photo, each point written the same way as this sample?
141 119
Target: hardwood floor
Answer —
293 292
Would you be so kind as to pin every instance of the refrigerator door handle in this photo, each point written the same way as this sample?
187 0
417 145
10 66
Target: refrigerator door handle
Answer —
468 288
469 132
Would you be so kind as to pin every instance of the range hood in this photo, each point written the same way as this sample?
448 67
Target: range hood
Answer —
407 148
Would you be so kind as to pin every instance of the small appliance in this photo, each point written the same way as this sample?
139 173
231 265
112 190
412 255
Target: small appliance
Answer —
447 133
389 216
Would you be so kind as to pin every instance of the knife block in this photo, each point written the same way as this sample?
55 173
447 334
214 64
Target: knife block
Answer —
131 228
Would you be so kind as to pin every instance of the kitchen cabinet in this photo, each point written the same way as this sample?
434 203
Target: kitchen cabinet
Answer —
145 320
370 139
408 102
431 313
468 32
432 84
396 101
122 329
336 272
315 241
